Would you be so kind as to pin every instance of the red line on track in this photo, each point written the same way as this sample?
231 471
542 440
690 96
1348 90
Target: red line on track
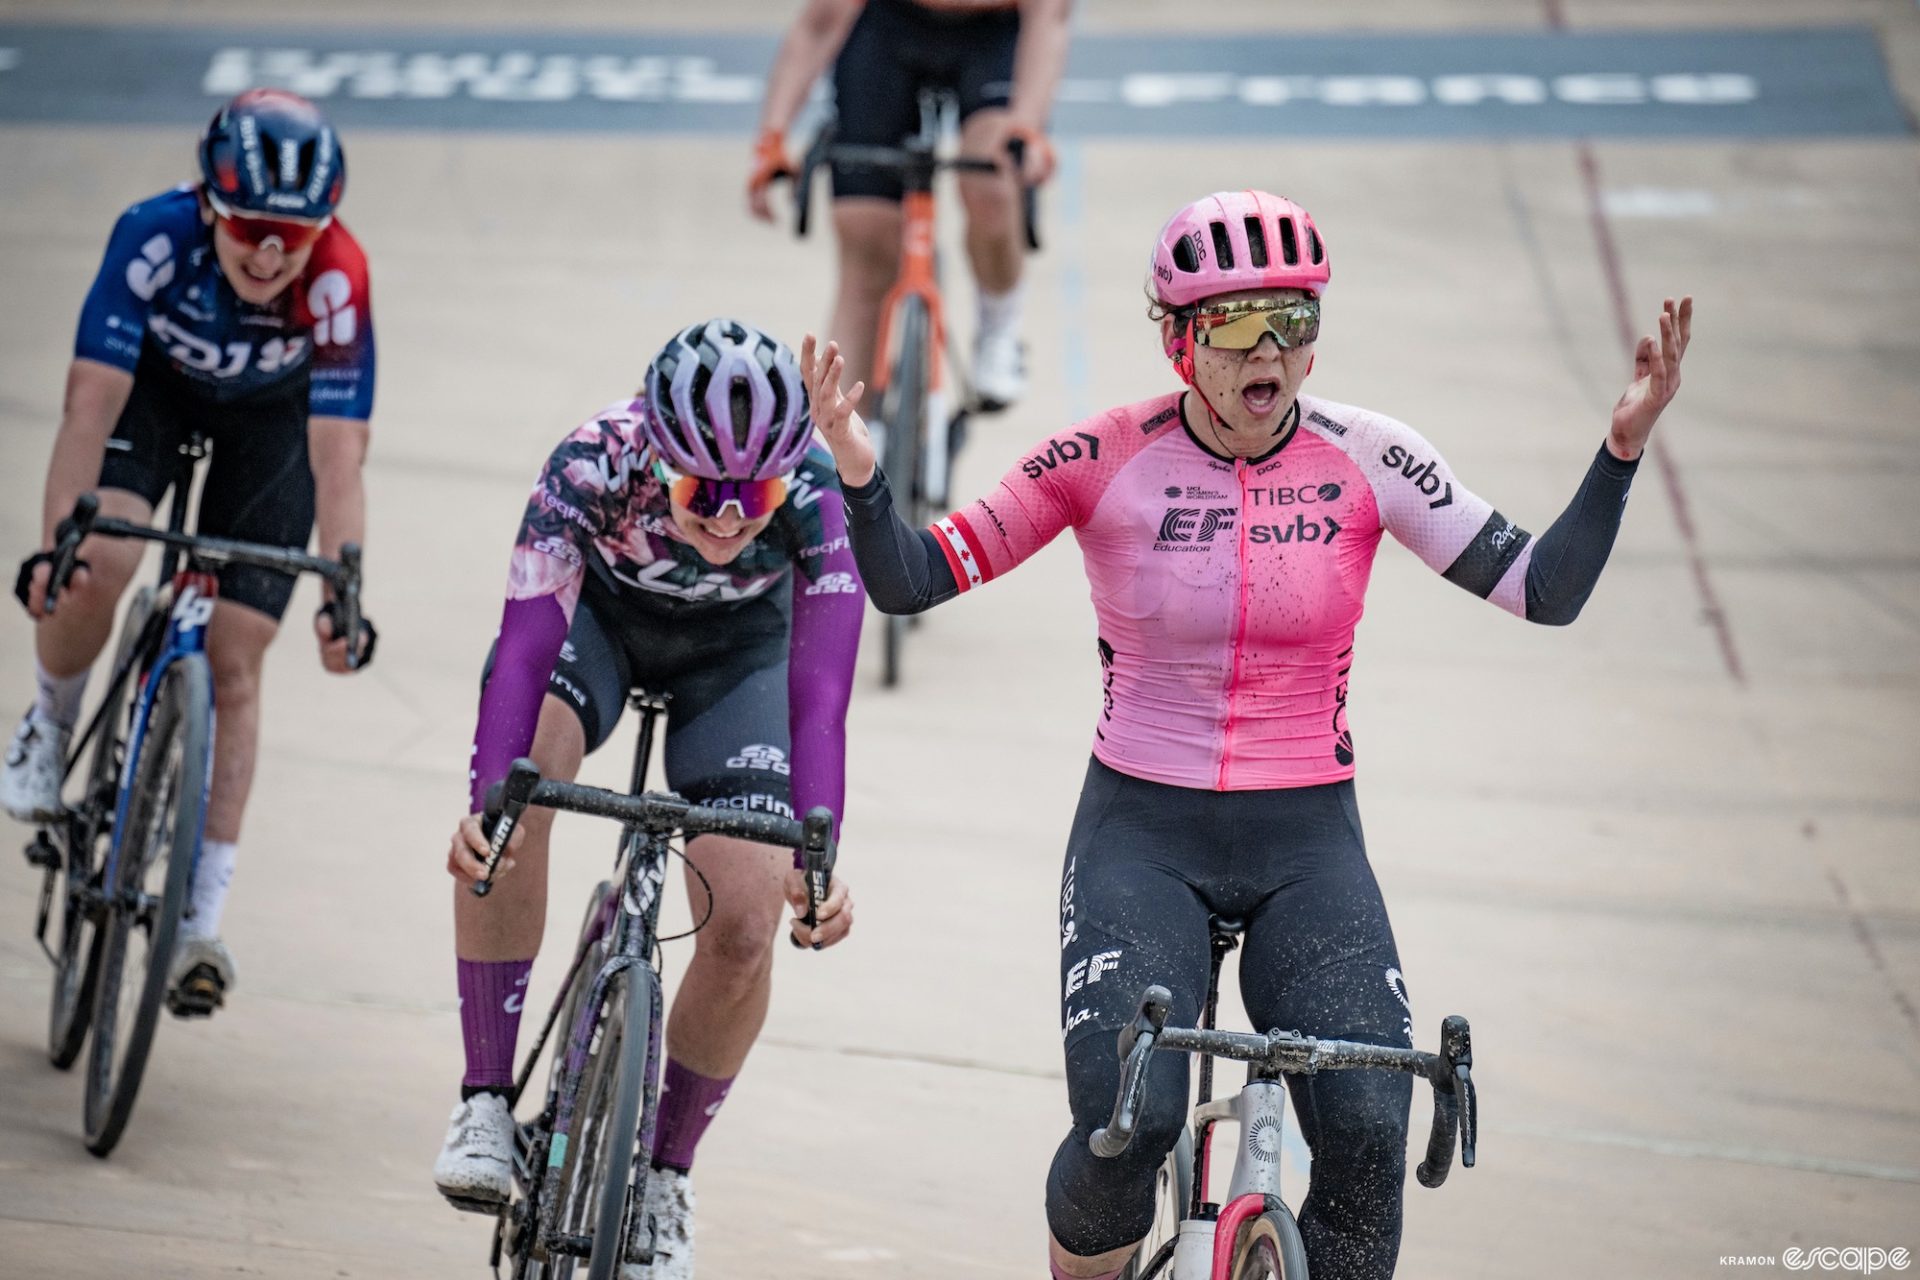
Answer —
1662 456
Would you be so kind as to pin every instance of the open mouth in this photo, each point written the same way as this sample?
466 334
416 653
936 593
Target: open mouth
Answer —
1262 397
257 274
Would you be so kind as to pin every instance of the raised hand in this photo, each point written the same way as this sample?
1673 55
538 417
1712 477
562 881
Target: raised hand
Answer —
834 414
1656 380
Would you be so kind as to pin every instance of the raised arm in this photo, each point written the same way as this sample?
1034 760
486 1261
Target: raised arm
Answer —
909 570
1461 536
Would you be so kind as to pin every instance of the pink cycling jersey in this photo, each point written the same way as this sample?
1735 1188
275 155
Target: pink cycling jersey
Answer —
1227 592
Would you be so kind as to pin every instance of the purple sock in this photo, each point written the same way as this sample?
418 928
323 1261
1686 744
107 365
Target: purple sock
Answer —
491 994
688 1103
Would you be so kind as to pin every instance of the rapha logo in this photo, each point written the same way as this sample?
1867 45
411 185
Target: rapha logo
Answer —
1189 528
1424 475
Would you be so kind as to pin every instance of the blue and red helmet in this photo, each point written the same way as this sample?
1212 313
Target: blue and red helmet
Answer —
272 153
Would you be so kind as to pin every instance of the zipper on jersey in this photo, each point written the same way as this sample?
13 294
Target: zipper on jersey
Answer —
1240 472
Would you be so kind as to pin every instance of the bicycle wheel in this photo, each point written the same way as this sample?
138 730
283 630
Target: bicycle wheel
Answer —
599 1191
903 410
77 956
154 866
1172 1193
1270 1248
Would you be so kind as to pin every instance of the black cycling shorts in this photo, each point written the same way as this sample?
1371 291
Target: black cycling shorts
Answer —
725 677
897 48
259 482
1147 866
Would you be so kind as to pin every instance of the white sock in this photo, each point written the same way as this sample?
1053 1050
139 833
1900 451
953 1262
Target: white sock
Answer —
57 698
211 879
1001 310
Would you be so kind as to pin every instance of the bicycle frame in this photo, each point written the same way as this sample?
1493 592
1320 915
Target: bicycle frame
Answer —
628 920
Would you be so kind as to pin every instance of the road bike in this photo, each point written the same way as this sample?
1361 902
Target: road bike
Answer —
119 859
581 1162
921 423
1253 1236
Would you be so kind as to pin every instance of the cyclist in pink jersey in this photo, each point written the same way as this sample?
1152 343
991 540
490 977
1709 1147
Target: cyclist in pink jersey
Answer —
1228 532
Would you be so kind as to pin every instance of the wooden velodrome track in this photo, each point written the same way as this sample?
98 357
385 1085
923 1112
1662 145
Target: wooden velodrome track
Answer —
1665 860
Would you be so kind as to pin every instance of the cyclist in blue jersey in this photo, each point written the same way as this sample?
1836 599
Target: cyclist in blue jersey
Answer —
235 307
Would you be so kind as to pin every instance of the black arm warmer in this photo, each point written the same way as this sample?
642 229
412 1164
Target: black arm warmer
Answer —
902 568
1569 556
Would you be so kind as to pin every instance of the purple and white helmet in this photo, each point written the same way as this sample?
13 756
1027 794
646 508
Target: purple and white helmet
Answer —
724 401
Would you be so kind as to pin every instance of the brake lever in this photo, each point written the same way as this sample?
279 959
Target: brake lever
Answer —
505 803
817 857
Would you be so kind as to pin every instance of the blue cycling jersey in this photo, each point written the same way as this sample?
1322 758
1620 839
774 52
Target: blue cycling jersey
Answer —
161 286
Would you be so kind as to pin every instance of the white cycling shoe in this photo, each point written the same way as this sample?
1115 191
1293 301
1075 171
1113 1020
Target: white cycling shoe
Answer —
199 978
475 1168
999 368
669 1213
36 765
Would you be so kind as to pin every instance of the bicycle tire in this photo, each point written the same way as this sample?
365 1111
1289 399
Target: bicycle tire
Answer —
1172 1194
617 1194
904 412
597 1186
177 749
77 958
1270 1248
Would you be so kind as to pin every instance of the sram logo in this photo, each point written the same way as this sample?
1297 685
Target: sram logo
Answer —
1060 452
1301 530
1424 475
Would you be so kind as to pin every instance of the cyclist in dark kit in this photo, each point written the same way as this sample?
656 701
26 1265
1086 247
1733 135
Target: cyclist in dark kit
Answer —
691 540
236 306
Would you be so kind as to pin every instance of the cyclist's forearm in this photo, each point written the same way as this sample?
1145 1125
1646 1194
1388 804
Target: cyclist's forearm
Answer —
531 633
337 449
1039 59
96 394
902 567
1569 556
809 46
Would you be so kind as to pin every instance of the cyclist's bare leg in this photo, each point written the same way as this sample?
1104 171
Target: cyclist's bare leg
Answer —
508 922
722 1001
869 233
992 202
68 642
1072 1264
237 641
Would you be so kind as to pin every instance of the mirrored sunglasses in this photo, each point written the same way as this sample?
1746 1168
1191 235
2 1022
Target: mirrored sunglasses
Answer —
1239 326
711 498
254 231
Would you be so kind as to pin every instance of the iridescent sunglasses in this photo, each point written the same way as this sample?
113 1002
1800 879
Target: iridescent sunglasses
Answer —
711 498
1239 325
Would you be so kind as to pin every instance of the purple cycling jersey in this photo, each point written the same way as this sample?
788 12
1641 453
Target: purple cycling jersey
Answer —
600 508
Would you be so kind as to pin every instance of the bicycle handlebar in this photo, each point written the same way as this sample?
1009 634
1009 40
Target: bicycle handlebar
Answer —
343 575
659 813
1455 1112
911 164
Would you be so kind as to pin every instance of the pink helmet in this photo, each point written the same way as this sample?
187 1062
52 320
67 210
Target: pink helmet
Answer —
1234 240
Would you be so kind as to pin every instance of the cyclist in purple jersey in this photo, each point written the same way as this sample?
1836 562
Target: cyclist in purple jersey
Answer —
692 541
236 307
1228 531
